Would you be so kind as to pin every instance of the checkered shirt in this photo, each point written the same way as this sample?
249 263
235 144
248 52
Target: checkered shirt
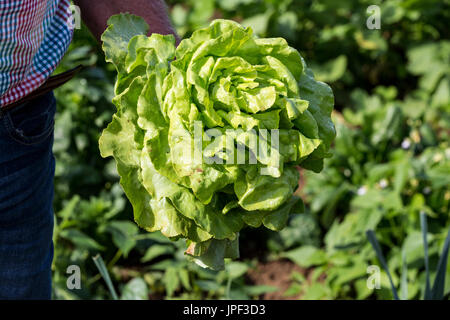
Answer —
34 36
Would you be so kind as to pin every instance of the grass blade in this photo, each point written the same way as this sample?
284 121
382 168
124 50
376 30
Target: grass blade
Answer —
100 264
404 278
439 282
424 227
376 246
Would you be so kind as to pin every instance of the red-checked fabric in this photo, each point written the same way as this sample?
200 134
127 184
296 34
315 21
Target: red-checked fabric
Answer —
34 36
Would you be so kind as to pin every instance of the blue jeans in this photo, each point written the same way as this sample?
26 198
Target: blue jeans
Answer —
27 169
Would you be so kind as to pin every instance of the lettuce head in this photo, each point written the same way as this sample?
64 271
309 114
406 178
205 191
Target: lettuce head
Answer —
208 135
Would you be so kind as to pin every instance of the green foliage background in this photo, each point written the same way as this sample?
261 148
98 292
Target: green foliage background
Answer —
391 160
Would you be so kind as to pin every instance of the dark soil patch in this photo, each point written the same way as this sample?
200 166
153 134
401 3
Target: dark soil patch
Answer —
275 273
253 243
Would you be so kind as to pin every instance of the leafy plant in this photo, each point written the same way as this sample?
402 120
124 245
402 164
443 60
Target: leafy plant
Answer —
436 292
223 79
